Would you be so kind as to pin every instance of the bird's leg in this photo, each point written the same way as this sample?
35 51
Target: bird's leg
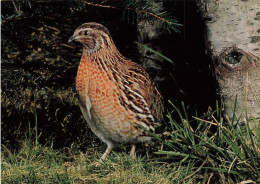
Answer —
132 152
104 156
110 146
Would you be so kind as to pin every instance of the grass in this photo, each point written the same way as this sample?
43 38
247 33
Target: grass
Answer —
42 164
213 151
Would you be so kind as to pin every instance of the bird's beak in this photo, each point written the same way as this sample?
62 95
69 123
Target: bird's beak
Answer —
72 38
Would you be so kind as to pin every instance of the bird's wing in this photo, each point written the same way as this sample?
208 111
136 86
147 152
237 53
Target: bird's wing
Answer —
140 93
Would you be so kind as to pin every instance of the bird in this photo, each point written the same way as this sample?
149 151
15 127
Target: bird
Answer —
118 99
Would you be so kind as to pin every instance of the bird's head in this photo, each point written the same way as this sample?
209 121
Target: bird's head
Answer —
92 36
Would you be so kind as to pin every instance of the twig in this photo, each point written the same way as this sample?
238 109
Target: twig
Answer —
247 182
136 10
66 45
231 165
210 178
54 28
205 121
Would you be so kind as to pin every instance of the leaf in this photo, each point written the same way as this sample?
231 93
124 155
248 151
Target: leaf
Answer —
157 53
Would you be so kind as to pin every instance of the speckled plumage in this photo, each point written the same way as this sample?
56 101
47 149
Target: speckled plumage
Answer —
118 99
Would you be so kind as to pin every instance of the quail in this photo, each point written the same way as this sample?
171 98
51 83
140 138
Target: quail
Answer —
117 97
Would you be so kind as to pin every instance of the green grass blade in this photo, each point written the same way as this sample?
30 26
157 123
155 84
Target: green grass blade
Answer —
157 53
172 153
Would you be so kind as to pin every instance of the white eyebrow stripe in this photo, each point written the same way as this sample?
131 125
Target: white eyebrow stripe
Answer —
86 29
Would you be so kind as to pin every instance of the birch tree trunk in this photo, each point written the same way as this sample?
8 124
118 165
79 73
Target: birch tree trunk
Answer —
233 37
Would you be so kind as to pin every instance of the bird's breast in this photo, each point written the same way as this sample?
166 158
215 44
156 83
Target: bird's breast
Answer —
94 83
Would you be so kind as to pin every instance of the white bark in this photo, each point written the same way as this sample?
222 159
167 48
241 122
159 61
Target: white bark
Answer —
233 35
233 22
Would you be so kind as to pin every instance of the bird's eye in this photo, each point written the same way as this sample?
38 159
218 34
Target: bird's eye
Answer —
86 33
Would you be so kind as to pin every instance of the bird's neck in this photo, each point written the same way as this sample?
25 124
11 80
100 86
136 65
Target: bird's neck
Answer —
109 56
